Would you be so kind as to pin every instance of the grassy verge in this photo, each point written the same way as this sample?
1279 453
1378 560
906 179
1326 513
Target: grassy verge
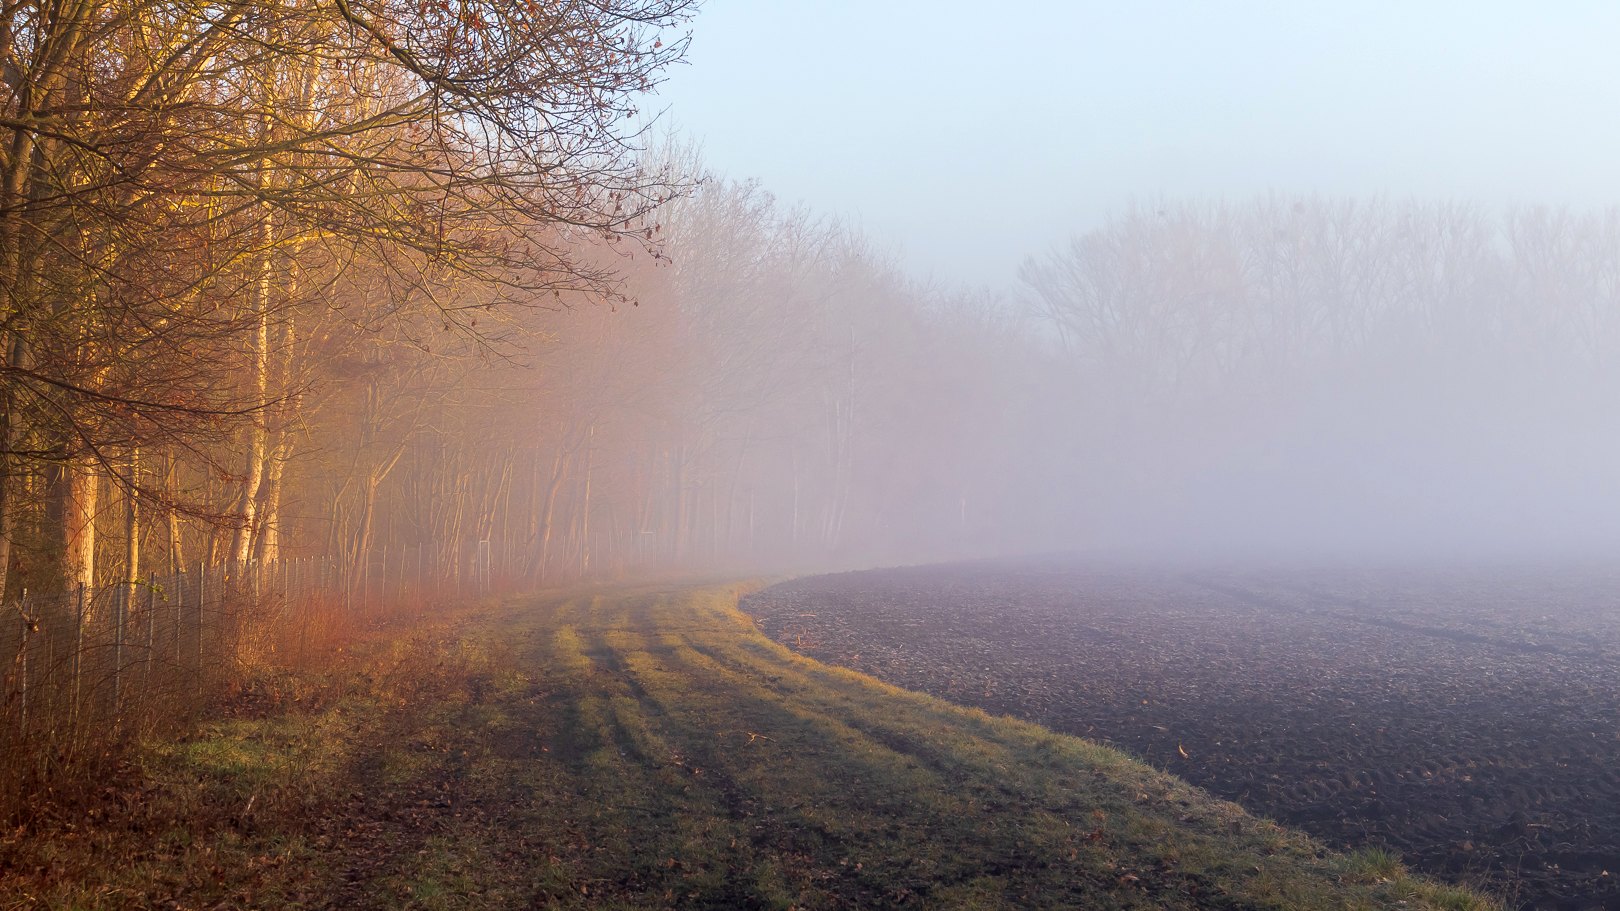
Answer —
649 749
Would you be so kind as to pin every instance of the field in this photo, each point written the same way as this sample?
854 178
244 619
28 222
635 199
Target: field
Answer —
649 749
1468 720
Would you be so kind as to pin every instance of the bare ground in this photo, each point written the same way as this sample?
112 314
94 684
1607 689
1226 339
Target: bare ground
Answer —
1469 720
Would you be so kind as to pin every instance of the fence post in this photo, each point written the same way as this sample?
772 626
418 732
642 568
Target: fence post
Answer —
202 593
487 557
151 635
120 619
179 594
22 677
78 655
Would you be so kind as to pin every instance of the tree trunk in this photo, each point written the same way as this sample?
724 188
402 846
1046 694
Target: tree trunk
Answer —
132 574
177 562
267 545
11 434
132 520
279 445
72 488
256 436
585 510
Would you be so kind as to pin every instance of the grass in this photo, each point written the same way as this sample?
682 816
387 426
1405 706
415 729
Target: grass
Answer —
650 749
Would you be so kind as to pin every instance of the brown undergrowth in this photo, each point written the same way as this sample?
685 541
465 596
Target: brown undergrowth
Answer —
649 749
205 810
82 725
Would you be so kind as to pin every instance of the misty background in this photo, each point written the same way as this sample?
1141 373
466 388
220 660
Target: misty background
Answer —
771 286
1284 280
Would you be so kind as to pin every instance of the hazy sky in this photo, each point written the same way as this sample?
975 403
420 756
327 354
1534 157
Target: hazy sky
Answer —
969 134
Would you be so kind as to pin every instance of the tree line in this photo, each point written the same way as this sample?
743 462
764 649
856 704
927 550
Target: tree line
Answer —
220 223
1402 376
283 279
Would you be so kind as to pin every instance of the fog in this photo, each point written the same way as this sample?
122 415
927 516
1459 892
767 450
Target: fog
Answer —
1258 285
1374 378
1271 379
1276 378
396 397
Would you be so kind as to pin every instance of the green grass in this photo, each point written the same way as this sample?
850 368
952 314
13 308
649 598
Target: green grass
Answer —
650 749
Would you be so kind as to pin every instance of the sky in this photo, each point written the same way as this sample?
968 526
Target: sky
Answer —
967 136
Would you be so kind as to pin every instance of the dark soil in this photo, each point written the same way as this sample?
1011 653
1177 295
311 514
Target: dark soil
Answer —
1469 720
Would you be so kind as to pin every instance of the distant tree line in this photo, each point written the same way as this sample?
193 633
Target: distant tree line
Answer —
1298 368
284 279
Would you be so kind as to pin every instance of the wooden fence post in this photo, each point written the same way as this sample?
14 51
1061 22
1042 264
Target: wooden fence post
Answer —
22 676
120 619
202 593
78 655
151 636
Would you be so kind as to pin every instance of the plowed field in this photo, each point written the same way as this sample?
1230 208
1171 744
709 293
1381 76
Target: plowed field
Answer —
1468 719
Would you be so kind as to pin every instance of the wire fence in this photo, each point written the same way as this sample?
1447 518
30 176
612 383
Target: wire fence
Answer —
93 667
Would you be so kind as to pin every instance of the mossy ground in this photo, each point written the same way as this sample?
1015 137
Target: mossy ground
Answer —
650 749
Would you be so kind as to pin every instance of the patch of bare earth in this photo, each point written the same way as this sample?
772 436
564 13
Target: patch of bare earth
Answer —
1469 720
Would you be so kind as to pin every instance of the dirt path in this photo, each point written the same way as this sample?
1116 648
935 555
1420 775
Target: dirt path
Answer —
649 749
